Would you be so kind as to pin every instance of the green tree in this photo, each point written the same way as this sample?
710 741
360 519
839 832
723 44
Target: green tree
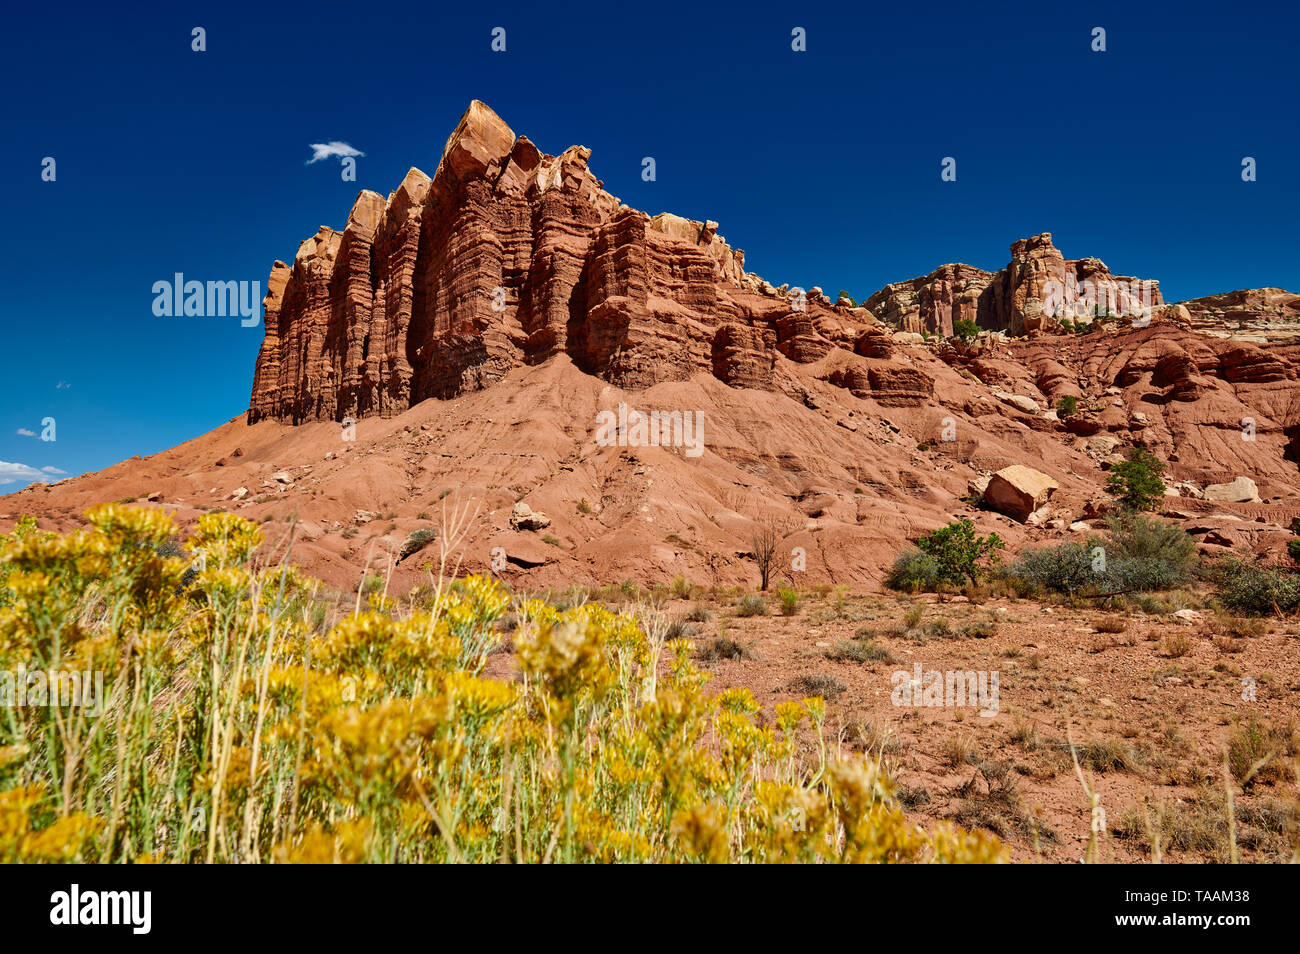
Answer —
959 553
852 301
1136 481
965 329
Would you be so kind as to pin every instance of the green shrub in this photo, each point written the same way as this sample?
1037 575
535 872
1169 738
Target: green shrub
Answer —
960 553
1136 481
1065 568
859 651
1090 569
751 605
913 572
416 541
1137 537
1066 405
1261 752
1255 590
680 588
965 329
789 600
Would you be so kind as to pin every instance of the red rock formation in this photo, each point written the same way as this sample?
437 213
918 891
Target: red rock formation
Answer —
504 258
1037 289
934 302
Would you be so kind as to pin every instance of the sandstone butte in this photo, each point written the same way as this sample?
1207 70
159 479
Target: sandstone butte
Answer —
473 324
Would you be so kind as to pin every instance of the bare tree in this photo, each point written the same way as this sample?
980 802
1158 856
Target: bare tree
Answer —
765 542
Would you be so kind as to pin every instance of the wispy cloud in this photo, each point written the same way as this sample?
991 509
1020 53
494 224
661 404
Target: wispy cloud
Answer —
53 470
331 150
24 432
9 473
62 385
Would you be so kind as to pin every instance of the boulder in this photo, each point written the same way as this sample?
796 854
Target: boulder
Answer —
1241 490
1020 401
1018 491
524 517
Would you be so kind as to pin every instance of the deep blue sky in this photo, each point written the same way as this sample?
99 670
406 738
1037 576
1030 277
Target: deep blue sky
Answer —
824 165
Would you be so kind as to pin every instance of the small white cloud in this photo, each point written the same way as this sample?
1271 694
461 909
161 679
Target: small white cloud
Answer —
62 385
330 150
24 432
9 473
53 470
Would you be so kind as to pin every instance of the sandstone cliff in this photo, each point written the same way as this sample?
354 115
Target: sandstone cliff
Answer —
504 258
1037 289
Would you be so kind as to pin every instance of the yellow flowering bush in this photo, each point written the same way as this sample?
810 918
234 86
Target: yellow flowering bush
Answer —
237 724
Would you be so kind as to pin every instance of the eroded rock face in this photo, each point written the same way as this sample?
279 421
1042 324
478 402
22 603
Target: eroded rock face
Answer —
505 257
933 302
1038 288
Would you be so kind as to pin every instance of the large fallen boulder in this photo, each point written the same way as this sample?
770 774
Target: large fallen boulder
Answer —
524 517
1018 491
1241 490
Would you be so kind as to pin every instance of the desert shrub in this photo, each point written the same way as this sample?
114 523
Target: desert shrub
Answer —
983 628
1254 590
1066 405
789 600
1064 568
699 614
722 647
914 572
959 750
1259 753
751 604
1237 627
416 541
939 627
1136 481
860 651
954 554
381 740
827 687
682 629
965 329
1106 755
680 588
1138 537
1112 624
1142 575
1089 570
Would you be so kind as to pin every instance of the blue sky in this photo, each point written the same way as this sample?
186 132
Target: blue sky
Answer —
823 165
